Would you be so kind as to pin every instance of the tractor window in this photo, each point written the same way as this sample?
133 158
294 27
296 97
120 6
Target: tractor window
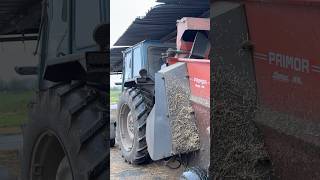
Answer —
154 59
137 61
64 14
128 66
87 17
58 33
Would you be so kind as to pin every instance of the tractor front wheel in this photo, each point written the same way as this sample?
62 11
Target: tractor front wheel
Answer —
133 111
66 136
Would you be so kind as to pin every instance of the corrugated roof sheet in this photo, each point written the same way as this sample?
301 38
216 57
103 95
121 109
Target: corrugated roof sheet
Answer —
158 24
161 20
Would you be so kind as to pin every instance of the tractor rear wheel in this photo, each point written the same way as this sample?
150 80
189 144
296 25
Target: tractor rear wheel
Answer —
133 110
66 136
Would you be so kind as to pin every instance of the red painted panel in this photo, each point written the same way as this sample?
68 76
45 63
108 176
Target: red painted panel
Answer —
293 159
199 75
199 78
286 42
289 2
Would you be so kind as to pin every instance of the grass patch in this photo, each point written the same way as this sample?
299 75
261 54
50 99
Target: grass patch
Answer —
13 108
114 96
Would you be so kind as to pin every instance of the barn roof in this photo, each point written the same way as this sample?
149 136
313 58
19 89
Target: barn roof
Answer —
158 24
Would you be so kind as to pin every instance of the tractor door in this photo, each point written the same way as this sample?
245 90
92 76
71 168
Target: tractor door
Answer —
87 18
55 34
138 61
58 28
68 29
155 60
133 63
127 66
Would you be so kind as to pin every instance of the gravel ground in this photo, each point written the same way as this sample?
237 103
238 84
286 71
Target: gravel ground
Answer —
121 170
9 165
10 143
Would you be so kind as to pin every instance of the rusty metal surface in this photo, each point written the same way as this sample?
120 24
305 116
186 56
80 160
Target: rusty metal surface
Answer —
237 147
292 158
293 144
288 96
120 170
201 158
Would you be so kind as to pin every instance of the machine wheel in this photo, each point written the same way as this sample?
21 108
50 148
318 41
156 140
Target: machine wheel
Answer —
66 136
133 110
112 142
194 173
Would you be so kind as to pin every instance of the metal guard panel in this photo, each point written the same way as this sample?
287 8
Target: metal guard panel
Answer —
171 127
158 133
185 135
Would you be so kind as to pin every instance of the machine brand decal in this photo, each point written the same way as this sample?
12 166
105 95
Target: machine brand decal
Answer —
293 63
280 77
286 78
200 83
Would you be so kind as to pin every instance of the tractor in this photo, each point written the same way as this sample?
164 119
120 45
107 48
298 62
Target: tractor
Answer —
66 136
163 111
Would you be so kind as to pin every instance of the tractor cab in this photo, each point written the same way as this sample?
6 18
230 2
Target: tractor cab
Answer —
145 56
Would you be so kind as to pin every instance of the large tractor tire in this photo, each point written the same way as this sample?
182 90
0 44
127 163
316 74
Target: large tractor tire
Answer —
66 136
133 110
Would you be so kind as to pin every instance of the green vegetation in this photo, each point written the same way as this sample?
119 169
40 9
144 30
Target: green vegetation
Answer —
114 96
13 108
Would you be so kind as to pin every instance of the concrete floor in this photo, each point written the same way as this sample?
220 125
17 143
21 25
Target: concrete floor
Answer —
5 174
121 170
9 143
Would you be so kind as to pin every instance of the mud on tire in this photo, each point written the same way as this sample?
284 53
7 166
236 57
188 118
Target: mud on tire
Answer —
66 121
139 104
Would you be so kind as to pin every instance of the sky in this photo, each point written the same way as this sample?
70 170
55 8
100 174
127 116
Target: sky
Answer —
122 14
